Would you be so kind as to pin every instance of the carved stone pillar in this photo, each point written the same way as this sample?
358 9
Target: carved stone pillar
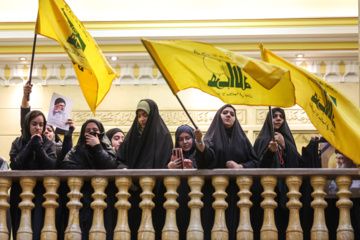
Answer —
73 231
294 230
244 230
319 229
25 231
268 229
219 230
170 230
195 230
146 229
97 231
344 230
49 230
5 184
122 230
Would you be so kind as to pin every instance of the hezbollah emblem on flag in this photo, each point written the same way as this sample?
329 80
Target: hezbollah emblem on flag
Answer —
226 75
75 38
323 102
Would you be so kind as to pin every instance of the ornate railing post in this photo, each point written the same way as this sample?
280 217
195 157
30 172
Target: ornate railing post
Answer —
146 229
294 230
268 229
219 230
195 230
73 231
25 230
345 230
170 230
5 184
49 230
319 229
122 230
97 231
244 230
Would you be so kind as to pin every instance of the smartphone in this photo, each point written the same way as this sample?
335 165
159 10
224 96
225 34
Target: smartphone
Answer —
177 153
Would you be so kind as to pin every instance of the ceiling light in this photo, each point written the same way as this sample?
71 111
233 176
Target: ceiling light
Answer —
113 58
22 58
299 55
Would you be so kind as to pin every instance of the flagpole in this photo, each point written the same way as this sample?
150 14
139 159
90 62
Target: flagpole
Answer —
272 124
32 63
187 113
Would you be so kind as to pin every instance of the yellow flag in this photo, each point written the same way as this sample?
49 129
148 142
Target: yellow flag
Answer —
233 78
333 114
56 20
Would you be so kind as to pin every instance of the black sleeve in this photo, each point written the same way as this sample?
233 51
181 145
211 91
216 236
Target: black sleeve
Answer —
47 158
206 159
18 156
70 161
66 147
23 112
103 159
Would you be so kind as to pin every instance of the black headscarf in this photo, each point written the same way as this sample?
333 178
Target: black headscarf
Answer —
111 132
26 135
191 153
83 149
150 150
238 149
262 142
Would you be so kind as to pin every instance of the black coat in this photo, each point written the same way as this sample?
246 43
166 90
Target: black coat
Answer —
30 154
101 156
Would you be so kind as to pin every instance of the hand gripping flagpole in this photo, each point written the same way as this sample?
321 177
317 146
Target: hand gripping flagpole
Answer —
32 64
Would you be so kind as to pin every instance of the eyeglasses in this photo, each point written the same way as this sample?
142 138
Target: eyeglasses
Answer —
187 138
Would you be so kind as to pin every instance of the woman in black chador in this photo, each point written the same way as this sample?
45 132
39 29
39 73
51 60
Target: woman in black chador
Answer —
32 151
281 153
147 145
93 151
184 139
225 145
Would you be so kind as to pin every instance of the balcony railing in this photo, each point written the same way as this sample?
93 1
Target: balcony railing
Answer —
171 178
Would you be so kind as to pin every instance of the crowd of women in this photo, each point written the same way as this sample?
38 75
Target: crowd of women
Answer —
148 145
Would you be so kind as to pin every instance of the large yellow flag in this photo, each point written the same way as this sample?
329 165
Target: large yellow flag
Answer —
56 20
233 78
333 114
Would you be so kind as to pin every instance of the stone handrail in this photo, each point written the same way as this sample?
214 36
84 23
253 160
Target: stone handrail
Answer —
171 178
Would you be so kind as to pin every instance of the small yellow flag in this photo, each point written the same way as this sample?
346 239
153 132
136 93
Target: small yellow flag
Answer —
333 114
233 78
56 20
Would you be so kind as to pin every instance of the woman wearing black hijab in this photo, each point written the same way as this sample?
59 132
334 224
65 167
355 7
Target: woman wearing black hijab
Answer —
116 137
147 145
225 145
93 151
281 153
32 151
184 139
